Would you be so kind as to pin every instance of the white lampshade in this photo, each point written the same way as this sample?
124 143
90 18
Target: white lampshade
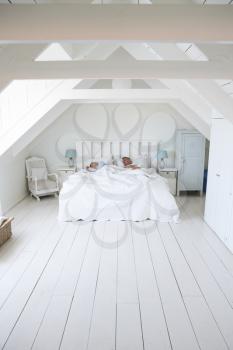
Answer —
121 83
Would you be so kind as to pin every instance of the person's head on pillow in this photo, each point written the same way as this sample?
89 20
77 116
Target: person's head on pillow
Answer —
127 161
93 166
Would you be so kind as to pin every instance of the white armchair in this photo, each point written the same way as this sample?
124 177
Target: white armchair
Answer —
40 182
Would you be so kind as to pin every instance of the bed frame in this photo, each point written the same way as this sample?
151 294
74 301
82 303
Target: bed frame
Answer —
91 149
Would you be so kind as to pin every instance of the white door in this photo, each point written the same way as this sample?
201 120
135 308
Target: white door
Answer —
213 192
228 237
191 175
218 197
224 200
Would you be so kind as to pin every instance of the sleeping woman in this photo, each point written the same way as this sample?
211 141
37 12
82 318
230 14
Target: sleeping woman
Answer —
128 163
93 166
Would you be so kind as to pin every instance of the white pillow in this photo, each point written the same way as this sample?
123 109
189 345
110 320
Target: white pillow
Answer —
141 161
39 173
91 169
118 161
105 161
101 161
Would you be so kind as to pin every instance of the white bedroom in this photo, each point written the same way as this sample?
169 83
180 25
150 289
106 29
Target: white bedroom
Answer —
116 207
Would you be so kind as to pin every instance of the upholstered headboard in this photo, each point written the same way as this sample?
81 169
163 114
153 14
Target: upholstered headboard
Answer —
93 150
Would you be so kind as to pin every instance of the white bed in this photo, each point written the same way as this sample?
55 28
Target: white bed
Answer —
114 193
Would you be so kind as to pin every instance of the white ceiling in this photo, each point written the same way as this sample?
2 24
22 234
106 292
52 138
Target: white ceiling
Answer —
196 99
204 2
201 102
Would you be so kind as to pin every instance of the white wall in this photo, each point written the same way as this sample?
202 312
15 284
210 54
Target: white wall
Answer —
156 122
12 179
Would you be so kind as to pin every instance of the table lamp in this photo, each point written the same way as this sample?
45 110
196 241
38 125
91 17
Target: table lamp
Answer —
71 155
162 154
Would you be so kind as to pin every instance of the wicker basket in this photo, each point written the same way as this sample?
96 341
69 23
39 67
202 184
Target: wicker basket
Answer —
5 231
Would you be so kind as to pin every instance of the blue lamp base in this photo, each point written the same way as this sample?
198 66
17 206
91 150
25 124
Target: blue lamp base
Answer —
70 162
162 164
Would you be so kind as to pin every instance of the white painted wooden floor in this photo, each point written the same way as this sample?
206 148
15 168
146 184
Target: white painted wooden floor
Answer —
106 286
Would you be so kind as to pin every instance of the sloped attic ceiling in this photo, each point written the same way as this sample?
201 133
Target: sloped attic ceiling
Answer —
166 80
133 2
180 94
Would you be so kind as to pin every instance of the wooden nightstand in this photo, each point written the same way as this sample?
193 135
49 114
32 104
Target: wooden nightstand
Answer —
64 172
171 174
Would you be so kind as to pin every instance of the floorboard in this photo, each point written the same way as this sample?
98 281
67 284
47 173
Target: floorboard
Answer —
55 318
77 328
213 295
103 322
181 329
154 326
114 285
194 300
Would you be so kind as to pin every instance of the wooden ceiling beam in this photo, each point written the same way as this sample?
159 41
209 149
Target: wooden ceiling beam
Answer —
77 22
119 69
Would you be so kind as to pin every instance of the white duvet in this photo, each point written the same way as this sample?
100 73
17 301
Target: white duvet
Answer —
114 193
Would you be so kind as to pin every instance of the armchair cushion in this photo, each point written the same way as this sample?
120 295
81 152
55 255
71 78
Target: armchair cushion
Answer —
39 173
44 186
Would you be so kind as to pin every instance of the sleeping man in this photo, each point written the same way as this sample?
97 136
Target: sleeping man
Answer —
127 162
